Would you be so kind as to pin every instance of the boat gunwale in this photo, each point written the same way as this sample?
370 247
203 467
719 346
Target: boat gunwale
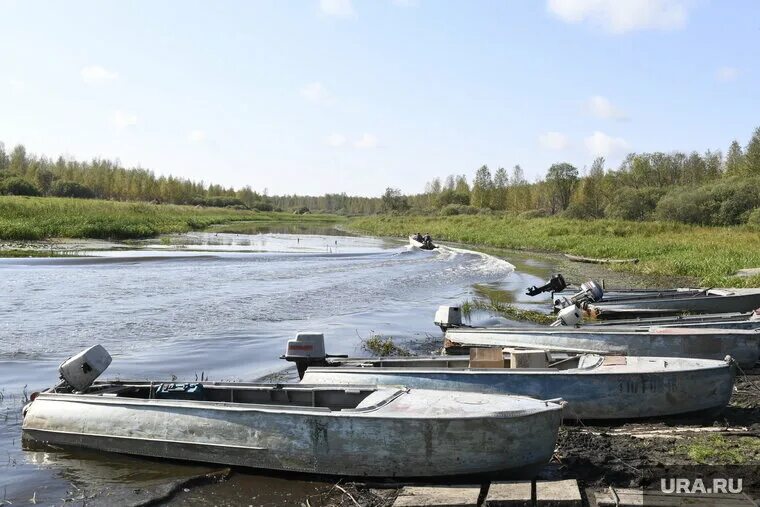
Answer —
365 413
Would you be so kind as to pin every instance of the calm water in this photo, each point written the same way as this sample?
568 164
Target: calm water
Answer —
215 303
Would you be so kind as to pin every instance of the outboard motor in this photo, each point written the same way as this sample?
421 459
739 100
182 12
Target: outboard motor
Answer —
308 349
555 284
448 316
590 292
755 315
81 370
568 316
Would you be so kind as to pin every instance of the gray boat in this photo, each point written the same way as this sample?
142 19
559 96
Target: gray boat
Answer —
705 301
337 430
594 386
705 343
749 320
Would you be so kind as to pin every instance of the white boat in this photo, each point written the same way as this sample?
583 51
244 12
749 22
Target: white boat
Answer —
594 386
705 343
420 245
342 430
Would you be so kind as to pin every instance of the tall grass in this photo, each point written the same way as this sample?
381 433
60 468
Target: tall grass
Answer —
35 218
709 254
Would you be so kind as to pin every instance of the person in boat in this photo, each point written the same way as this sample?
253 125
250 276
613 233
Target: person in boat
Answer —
418 237
428 241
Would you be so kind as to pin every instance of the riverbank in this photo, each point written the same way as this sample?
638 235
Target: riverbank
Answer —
25 219
711 256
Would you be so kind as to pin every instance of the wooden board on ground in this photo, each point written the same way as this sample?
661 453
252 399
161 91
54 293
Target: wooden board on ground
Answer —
563 493
438 496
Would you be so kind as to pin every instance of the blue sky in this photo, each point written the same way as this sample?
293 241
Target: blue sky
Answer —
318 96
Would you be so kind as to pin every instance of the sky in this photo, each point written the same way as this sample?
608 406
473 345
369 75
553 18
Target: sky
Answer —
316 96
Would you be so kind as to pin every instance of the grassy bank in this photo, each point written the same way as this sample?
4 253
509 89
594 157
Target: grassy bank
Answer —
709 254
37 218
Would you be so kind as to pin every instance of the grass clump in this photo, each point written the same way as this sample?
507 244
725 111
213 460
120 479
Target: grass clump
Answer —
379 346
506 310
719 450
711 255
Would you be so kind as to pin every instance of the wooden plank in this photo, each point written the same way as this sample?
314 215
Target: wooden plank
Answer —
509 494
438 496
558 493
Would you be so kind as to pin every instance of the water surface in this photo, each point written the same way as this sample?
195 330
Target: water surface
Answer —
218 304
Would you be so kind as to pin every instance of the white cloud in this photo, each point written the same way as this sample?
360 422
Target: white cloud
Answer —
196 136
315 92
602 108
17 85
337 8
95 74
621 16
366 141
554 141
122 119
335 140
600 144
726 74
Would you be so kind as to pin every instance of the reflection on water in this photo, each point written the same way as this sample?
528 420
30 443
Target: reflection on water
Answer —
220 304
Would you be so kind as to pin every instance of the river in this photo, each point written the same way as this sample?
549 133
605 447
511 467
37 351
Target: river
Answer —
220 304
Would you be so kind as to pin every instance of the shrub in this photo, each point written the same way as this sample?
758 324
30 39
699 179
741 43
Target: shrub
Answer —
453 197
728 202
262 206
17 186
534 213
63 188
754 217
459 209
302 210
634 203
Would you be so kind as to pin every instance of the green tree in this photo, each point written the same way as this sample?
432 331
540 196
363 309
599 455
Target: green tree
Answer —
394 200
752 154
499 200
461 184
482 188
734 159
562 179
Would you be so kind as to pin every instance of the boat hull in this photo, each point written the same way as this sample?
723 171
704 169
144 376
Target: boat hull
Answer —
742 345
412 436
714 301
638 392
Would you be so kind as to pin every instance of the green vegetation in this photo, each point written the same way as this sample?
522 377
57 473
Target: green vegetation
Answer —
719 450
35 218
383 347
710 254
506 310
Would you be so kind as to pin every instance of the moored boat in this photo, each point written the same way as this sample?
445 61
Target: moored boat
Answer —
705 301
337 430
705 343
749 320
594 386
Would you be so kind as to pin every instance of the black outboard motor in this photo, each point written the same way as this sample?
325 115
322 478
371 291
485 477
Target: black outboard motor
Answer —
555 284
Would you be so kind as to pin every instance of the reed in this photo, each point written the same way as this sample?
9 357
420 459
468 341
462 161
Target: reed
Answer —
711 255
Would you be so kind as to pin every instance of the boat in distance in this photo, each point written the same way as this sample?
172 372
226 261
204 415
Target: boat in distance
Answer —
594 386
421 245
703 343
356 430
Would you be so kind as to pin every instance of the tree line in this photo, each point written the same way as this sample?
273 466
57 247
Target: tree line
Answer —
708 189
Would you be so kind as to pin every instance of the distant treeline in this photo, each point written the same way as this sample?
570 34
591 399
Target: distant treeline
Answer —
707 189
25 174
